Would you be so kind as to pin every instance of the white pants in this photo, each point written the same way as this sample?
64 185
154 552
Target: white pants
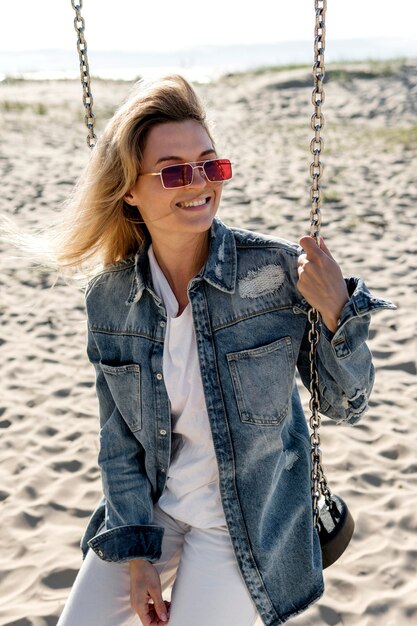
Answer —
198 563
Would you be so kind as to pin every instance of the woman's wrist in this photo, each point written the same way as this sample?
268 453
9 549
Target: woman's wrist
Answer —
330 322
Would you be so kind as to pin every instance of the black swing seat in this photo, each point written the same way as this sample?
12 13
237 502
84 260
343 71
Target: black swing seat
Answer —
336 528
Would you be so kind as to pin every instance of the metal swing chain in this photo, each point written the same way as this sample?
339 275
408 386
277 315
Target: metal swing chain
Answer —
318 480
79 26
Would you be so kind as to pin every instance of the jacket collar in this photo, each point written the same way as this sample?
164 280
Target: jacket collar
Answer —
219 269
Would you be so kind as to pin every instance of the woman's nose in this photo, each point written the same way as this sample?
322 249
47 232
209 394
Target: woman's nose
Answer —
199 177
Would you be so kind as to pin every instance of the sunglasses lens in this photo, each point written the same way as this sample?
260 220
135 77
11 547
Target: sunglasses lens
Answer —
218 170
177 175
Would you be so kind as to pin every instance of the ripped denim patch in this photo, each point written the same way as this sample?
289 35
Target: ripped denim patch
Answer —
355 406
260 282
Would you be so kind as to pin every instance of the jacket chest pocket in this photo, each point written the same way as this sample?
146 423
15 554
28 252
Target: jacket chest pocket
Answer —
262 380
124 383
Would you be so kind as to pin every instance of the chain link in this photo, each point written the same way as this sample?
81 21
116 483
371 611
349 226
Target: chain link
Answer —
89 118
319 485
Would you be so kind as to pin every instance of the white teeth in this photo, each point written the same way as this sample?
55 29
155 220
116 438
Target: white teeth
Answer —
195 203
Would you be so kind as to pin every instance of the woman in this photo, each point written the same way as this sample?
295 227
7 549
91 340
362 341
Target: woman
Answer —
195 330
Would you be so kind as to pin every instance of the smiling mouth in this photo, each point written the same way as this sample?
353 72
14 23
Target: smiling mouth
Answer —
194 203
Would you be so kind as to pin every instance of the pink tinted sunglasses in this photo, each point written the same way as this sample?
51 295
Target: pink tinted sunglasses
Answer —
182 174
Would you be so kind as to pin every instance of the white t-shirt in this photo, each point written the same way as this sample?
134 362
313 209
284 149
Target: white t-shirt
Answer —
192 491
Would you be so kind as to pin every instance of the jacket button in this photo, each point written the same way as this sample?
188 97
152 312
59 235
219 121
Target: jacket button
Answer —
162 431
101 553
159 376
162 324
162 470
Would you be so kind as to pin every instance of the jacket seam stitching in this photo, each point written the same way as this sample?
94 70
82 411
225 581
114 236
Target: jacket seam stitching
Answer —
104 331
251 315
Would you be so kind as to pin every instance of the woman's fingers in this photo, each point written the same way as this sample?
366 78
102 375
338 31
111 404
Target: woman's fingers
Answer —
310 246
325 249
159 608
146 594
151 614
154 615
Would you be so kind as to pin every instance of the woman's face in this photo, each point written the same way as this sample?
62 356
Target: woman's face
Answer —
188 209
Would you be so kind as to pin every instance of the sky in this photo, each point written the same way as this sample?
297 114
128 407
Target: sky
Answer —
134 25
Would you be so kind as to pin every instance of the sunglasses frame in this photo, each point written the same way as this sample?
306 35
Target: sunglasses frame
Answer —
197 165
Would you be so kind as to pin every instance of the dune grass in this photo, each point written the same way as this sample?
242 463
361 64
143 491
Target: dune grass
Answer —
16 106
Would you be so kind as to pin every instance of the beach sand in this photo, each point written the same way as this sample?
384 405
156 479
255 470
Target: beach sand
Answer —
49 479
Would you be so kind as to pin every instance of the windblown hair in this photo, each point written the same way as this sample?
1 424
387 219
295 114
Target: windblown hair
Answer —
99 228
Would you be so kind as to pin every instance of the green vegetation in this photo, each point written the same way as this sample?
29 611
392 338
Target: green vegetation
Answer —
8 106
40 109
331 196
367 70
280 68
399 135
346 70
12 80
363 134
15 106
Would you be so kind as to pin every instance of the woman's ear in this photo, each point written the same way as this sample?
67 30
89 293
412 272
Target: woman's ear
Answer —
128 197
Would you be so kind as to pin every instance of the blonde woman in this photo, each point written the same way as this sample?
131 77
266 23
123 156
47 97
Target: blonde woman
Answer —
195 330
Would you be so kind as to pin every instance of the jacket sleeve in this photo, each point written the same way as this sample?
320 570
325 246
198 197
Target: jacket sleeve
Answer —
344 361
128 530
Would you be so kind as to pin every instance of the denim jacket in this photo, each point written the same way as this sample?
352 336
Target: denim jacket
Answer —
251 329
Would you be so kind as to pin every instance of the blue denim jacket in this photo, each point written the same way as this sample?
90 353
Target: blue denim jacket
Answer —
251 328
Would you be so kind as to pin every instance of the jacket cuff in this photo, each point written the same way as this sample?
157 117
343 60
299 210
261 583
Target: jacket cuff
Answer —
125 543
352 328
361 300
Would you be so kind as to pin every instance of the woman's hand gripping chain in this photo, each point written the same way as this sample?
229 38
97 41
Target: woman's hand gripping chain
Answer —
320 281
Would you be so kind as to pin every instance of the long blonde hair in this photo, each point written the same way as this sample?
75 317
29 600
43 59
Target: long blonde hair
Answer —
99 228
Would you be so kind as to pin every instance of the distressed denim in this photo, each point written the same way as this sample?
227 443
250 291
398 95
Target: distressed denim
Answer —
252 335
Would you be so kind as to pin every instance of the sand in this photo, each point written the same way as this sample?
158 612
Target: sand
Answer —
49 480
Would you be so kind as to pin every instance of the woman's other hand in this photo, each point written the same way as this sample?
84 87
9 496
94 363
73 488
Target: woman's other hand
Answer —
320 281
146 594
